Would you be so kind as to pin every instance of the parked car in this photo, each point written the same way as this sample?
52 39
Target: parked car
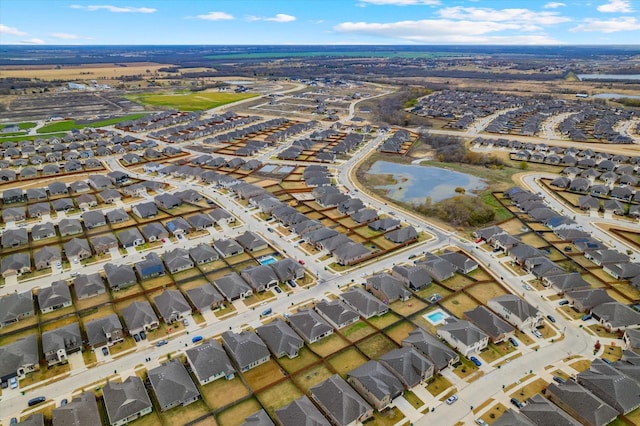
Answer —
291 283
74 274
277 289
536 333
481 422
196 339
606 361
13 383
143 335
185 321
63 402
413 256
513 341
551 318
105 351
476 361
558 379
563 302
301 262
13 421
517 402
270 229
586 317
452 399
161 342
136 338
35 401
567 248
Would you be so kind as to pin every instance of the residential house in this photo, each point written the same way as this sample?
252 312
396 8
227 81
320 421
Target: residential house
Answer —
350 253
204 297
439 268
375 383
464 336
463 264
203 253
364 303
145 210
77 248
105 331
414 277
516 311
287 269
88 286
222 216
233 287
566 282
56 296
46 257
154 231
259 418
227 248
309 325
126 401
93 219
340 402
59 343
251 242
496 328
387 288
177 260
336 313
151 266
581 404
172 385
102 244
139 316
119 276
130 237
246 349
167 201
280 338
82 410
402 235
613 387
200 221
543 412
12 238
19 358
616 317
178 227
41 231
433 349
15 264
301 412
209 362
586 300
117 216
623 270
172 306
408 365
513 418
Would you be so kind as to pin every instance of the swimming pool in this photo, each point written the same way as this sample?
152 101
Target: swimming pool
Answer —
267 260
436 317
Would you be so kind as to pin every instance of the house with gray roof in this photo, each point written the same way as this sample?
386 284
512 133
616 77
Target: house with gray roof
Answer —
126 401
259 418
516 311
117 216
15 264
105 331
205 297
580 403
46 257
172 385
233 287
178 226
414 277
513 418
566 282
433 349
336 313
227 247
495 327
19 358
36 194
364 303
309 325
82 410
145 210
251 241
203 253
222 216
103 243
542 412
350 253
13 214
245 349
63 204
260 277
622 270
521 252
463 264
56 296
439 268
38 209
386 224
287 269
14 238
586 300
280 338
119 276
93 219
41 231
387 288
408 365
77 248
375 383
172 305
301 412
615 316
402 235
154 231
167 201
464 336
99 182
200 221
58 343
614 388
209 362
177 260
88 285
606 256
130 237
340 402
149 267
139 316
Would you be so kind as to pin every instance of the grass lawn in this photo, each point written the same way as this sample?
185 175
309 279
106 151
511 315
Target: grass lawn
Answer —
457 282
183 415
329 345
465 368
612 353
151 419
581 365
384 320
398 332
407 307
495 412
459 304
235 415
45 373
524 338
304 359
263 375
438 385
496 351
346 361
412 399
633 417
485 291
529 390
357 331
376 346
278 396
189 101
66 125
601 331
311 377
388 417
120 347
223 392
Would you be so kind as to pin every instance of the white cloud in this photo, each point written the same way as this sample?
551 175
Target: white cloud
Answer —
616 6
280 17
608 25
65 36
503 15
33 41
553 5
11 30
216 16
114 9
446 31
402 2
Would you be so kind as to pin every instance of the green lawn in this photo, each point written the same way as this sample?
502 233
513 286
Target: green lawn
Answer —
63 126
189 101
21 126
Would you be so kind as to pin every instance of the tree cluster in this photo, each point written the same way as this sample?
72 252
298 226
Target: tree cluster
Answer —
451 149
461 210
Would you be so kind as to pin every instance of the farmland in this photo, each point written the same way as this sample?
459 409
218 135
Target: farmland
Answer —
189 101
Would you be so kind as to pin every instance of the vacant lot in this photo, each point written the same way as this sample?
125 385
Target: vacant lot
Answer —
66 125
189 101
384 320
184 415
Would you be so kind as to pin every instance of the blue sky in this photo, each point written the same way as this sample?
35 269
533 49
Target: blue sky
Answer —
139 22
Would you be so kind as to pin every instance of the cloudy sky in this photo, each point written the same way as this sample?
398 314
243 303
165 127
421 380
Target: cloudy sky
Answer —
149 22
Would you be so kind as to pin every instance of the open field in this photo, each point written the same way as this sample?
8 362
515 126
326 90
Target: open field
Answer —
66 125
189 101
81 72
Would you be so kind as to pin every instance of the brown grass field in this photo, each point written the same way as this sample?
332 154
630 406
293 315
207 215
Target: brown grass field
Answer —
263 375
223 392
376 346
81 72
278 396
347 360
235 415
312 377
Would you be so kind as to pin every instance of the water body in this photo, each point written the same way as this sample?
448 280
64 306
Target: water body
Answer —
615 96
608 76
415 183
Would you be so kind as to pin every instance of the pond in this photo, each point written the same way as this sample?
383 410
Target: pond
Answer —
615 96
583 77
413 183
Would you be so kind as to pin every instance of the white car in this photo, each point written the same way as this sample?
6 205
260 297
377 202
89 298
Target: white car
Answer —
452 399
13 383
536 333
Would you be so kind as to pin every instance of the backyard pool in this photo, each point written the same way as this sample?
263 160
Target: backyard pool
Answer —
267 260
436 317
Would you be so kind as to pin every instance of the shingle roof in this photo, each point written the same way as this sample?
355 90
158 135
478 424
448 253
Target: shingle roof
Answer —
301 412
125 398
171 382
342 403
377 380
81 411
209 359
